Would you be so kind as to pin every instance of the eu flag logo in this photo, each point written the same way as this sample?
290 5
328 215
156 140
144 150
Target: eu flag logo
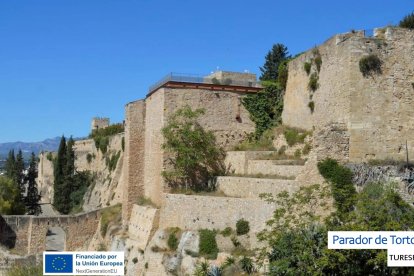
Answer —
58 263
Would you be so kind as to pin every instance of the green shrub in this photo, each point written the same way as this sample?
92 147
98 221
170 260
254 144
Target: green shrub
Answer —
172 241
145 201
311 106
102 247
123 143
208 245
306 149
370 65
49 156
313 84
265 142
281 150
307 66
110 215
294 136
196 158
135 260
112 161
297 153
107 131
25 270
318 63
407 21
246 264
89 158
265 108
242 227
283 72
235 241
227 232
340 178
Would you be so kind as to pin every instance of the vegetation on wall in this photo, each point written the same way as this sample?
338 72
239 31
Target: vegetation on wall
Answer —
112 161
370 65
407 21
109 215
208 245
265 107
101 135
313 84
242 227
307 66
311 106
195 158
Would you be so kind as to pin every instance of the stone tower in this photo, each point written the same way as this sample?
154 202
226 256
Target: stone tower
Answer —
98 123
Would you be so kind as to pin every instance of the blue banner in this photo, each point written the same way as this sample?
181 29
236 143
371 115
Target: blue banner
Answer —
58 263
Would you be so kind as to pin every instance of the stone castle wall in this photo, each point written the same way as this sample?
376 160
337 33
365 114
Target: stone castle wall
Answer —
374 113
30 232
133 182
45 177
207 212
142 224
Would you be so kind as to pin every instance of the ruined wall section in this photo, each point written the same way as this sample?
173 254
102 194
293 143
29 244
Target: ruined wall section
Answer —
382 114
134 156
45 177
374 113
331 99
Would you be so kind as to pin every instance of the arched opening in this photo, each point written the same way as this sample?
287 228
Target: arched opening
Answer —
55 239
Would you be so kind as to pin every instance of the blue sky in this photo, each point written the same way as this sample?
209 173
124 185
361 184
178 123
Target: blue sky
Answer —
64 61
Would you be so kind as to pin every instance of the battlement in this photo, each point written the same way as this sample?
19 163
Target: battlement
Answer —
98 123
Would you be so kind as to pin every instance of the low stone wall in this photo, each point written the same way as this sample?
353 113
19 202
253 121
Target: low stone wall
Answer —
143 224
271 167
237 160
208 212
245 187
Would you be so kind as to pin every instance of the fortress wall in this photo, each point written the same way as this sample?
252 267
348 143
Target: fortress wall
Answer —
373 116
45 178
382 114
15 233
133 170
207 212
332 98
108 185
153 154
143 224
30 231
222 110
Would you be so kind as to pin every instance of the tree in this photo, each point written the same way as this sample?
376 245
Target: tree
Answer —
32 198
59 196
407 21
195 157
265 107
9 195
10 165
273 59
19 172
297 236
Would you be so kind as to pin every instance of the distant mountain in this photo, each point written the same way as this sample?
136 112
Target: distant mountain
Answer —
27 148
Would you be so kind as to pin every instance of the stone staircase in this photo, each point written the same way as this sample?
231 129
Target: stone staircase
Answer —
237 196
256 175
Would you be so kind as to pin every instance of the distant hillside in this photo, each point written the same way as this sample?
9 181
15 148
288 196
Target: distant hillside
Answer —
27 148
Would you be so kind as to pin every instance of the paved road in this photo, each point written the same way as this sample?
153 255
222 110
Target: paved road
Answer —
55 239
47 210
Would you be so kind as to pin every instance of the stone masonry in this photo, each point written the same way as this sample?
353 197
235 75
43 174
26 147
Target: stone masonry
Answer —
375 112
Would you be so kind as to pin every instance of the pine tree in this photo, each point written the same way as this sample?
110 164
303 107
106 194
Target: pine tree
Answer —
273 59
19 173
59 175
33 197
10 165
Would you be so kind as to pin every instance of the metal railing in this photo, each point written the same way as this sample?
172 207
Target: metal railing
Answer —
189 78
